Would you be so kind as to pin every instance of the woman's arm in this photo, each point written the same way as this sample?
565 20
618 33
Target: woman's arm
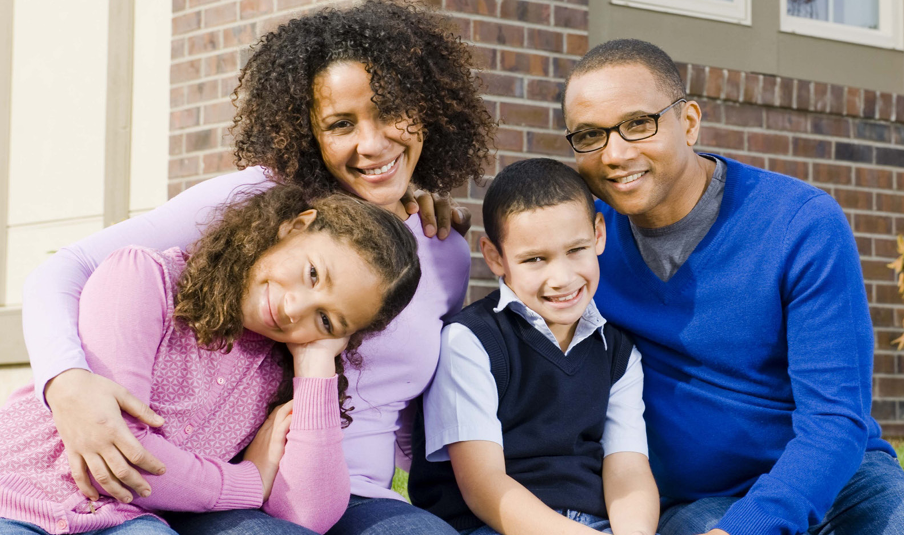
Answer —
87 407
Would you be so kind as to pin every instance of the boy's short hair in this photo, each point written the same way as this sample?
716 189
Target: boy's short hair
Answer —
529 185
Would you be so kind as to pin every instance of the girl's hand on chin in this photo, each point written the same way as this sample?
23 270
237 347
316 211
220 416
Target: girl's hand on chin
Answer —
317 358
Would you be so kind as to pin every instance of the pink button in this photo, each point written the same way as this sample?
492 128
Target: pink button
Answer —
189 429
220 380
62 524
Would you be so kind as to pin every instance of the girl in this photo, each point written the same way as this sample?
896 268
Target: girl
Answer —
202 339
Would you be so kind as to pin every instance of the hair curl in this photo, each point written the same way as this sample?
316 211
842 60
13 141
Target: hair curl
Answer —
418 68
211 288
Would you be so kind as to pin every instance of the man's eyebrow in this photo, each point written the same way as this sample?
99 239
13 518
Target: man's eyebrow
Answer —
624 117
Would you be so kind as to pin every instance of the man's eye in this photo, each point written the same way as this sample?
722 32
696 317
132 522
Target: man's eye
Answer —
591 135
327 326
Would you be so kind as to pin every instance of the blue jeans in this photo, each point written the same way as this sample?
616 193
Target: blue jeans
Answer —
364 516
143 525
595 522
871 503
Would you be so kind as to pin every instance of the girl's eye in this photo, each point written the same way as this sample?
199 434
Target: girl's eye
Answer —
328 327
313 274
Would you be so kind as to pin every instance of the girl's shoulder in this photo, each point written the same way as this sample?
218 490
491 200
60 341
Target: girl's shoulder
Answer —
165 265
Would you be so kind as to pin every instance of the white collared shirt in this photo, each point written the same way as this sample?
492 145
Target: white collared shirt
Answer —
462 401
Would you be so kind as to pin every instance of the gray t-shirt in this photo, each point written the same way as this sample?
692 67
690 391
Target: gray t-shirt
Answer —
665 249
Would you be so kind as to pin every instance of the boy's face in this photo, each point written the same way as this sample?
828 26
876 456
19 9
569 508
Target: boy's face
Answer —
548 259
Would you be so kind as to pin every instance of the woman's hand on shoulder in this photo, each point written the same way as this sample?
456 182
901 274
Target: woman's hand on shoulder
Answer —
87 410
317 358
438 213
269 445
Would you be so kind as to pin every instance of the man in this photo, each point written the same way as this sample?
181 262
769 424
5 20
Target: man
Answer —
744 292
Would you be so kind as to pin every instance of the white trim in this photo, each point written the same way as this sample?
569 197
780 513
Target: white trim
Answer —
734 11
890 33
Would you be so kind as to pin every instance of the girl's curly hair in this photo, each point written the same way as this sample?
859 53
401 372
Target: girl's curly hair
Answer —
418 68
211 288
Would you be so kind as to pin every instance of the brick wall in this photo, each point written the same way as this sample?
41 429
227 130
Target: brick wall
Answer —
847 141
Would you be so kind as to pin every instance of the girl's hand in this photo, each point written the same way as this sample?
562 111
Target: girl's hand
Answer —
317 358
438 213
268 446
87 410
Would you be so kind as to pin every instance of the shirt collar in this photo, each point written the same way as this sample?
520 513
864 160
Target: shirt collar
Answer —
591 320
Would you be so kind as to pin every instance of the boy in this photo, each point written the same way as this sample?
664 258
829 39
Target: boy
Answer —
533 367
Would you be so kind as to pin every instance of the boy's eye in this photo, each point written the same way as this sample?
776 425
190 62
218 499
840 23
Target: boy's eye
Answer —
313 273
576 250
327 326
532 260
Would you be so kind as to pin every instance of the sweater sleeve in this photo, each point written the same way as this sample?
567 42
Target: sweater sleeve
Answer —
312 485
50 296
122 319
830 342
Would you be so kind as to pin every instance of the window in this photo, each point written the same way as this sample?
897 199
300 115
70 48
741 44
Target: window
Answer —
736 11
867 22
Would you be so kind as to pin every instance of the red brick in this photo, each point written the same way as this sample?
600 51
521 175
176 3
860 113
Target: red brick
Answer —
886 248
768 91
562 67
795 168
524 115
206 42
186 23
545 90
222 112
221 64
218 162
828 125
733 85
476 212
802 98
508 139
498 34
567 17
182 167
228 85
696 80
177 97
886 202
892 387
558 119
821 98
893 429
173 189
811 148
532 12
785 92
552 144
899 181
886 106
854 199
853 152
220 15
177 49
239 36
869 103
887 294
576 44
484 58
873 178
876 270
743 115
175 144
545 40
502 84
714 82
475 293
711 110
196 3
283 5
478 7
249 9
891 157
853 102
724 138
202 91
178 5
899 108
786 120
749 159
883 341
865 248
480 270
184 119
837 102
185 71
492 108
872 224
460 192
201 140
751 90
768 143
463 25
831 173
897 134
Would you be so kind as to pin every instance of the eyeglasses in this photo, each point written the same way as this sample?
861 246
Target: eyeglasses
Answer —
633 129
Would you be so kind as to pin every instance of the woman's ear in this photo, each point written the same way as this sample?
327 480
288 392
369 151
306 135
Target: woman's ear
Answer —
599 229
492 256
299 224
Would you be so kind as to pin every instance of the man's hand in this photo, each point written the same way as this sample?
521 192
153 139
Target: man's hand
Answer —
269 445
87 410
438 213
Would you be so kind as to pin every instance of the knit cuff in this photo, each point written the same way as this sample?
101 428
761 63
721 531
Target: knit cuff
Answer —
242 487
745 517
316 404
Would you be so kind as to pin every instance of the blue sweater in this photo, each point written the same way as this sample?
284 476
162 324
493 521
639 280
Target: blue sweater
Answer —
757 353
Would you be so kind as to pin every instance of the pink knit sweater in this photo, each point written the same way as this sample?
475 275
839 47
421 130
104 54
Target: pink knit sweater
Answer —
213 404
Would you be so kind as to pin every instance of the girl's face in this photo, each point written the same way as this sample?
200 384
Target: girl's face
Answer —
370 156
309 286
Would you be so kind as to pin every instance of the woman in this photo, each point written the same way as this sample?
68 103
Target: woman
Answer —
367 100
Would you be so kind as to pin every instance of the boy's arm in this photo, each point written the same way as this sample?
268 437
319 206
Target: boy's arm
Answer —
497 499
632 499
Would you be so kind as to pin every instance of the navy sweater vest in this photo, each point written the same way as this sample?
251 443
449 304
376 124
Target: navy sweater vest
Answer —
552 409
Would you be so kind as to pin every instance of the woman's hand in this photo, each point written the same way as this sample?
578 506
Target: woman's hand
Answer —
268 446
438 212
87 410
317 358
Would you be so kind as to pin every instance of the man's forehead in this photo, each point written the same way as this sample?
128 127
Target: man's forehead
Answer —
611 93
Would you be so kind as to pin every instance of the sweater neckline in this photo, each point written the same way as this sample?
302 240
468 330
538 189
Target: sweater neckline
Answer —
698 257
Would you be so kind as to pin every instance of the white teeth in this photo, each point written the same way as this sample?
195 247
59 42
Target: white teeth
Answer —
568 297
629 178
379 170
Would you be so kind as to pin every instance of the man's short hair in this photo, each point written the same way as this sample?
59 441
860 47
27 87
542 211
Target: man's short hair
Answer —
529 185
633 51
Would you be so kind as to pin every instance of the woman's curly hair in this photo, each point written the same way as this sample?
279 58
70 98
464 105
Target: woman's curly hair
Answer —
212 285
418 69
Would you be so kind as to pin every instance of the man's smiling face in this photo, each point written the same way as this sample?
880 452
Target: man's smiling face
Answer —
648 180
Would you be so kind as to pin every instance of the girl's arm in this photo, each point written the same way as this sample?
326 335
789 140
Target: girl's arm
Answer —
87 407
123 314
632 499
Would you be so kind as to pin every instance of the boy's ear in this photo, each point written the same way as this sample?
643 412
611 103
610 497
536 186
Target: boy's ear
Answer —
599 229
492 256
299 224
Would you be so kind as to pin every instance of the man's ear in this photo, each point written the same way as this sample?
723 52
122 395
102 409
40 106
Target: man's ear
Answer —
299 224
599 230
691 117
492 256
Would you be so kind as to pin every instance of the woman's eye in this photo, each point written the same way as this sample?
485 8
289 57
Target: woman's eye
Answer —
313 274
326 323
340 125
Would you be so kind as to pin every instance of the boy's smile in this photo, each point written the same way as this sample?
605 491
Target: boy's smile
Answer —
549 260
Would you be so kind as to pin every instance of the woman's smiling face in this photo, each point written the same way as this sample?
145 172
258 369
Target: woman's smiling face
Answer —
370 156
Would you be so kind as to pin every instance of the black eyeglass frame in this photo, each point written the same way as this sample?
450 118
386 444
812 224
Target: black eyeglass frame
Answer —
654 116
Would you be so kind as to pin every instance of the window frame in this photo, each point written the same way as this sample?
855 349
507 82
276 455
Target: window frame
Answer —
733 11
890 33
